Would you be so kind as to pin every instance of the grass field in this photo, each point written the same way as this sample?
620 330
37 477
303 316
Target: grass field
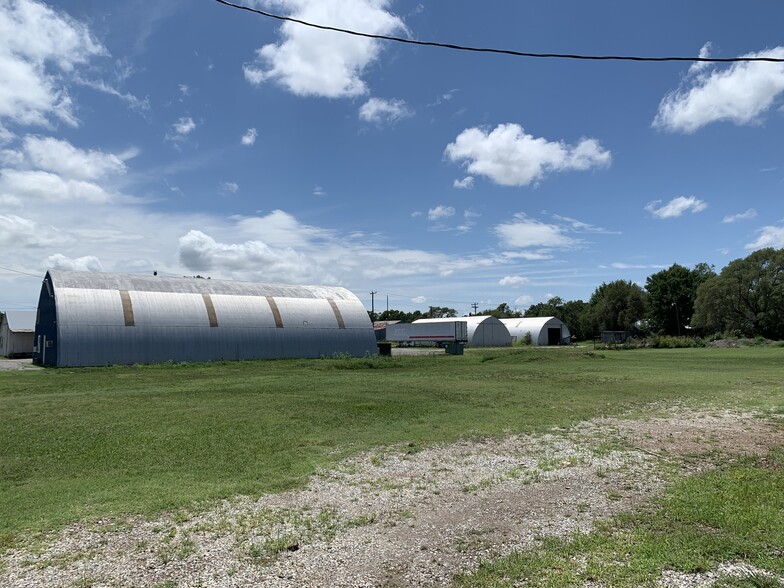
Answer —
95 442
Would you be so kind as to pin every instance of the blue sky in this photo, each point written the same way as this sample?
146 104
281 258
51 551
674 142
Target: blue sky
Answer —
187 137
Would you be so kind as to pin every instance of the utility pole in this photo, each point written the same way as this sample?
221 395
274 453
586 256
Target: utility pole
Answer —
474 305
373 303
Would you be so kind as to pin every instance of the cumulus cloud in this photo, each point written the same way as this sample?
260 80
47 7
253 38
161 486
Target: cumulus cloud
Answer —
524 301
183 127
88 263
249 138
17 231
510 157
440 212
22 186
40 49
61 157
524 232
465 184
200 252
380 111
740 94
312 62
748 214
513 281
770 236
676 207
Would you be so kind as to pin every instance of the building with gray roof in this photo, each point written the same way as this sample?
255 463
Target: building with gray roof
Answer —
91 319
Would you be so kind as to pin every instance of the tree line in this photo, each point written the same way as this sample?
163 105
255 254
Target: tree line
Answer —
746 299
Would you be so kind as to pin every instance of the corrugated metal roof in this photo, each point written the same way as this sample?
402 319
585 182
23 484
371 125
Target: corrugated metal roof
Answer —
123 318
146 283
20 321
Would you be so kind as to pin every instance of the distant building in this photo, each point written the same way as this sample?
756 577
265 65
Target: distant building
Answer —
17 331
89 319
544 330
483 331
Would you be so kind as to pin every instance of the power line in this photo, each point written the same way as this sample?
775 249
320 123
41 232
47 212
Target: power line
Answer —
500 51
8 269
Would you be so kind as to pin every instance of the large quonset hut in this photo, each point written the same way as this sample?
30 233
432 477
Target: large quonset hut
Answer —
483 331
89 319
544 330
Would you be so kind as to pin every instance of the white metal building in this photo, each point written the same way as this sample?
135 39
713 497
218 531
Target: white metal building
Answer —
544 330
17 330
98 319
483 331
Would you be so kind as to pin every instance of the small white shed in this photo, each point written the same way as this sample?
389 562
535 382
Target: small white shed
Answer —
544 330
483 331
17 333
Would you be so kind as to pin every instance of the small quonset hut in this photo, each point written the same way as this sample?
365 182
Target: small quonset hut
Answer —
88 319
16 333
483 331
544 330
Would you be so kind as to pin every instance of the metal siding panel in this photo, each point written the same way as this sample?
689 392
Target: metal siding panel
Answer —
306 313
169 309
89 307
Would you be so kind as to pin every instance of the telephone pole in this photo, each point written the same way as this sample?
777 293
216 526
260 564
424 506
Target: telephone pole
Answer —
373 303
474 305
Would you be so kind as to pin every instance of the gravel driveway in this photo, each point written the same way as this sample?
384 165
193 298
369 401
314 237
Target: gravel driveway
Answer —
396 517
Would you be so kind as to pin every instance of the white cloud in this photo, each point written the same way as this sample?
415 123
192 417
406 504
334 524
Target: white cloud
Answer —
440 212
312 62
769 236
513 281
249 138
200 252
510 157
17 231
183 127
136 103
380 111
319 191
19 186
39 50
56 155
229 187
419 300
624 265
739 94
524 301
676 207
88 263
465 184
525 232
748 214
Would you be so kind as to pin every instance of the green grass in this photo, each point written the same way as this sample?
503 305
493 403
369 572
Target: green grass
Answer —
95 442
732 514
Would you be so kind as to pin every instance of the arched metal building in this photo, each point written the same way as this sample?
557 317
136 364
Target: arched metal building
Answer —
89 319
544 330
483 331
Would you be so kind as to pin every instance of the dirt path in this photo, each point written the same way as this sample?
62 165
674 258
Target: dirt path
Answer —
390 518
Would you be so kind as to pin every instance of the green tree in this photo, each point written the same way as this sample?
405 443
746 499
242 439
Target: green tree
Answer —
440 312
671 295
746 297
399 315
617 306
501 311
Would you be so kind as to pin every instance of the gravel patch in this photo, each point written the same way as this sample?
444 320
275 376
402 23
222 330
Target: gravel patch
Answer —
396 516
